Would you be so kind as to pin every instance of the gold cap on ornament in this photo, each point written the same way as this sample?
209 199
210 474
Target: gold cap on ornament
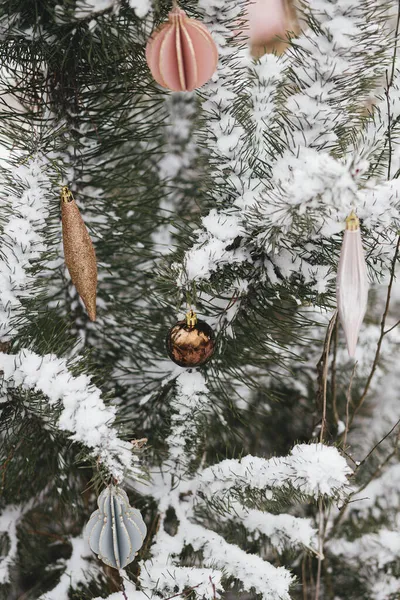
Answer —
191 319
352 222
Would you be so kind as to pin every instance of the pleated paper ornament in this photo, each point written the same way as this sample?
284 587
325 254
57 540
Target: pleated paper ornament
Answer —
181 54
115 531
269 22
79 253
352 283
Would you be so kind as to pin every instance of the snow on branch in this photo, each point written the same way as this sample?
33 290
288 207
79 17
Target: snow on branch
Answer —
381 494
219 557
161 574
91 8
281 175
283 530
78 569
253 572
189 402
25 208
312 469
9 519
78 402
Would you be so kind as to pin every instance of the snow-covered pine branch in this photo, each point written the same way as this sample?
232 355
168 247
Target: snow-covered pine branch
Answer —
312 469
190 403
78 406
24 209
282 530
77 569
306 180
9 519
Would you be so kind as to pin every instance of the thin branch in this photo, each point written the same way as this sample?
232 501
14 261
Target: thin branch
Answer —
389 132
377 470
348 400
349 500
123 590
322 368
389 83
321 537
184 594
304 575
396 36
333 374
364 460
382 334
391 328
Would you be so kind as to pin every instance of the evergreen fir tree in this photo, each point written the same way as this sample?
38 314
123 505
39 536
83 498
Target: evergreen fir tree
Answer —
271 471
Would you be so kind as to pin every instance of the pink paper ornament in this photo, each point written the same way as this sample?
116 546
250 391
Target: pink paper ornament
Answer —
268 23
352 283
181 54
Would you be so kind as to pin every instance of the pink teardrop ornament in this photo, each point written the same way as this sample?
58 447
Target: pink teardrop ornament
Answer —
352 283
181 54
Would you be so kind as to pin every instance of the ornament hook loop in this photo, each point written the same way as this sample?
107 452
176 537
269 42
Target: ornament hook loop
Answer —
66 194
352 222
191 319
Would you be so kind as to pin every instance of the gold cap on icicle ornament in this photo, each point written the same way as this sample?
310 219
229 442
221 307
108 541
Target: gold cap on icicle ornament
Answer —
79 253
191 342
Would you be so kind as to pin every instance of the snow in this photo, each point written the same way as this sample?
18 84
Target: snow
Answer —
9 519
83 413
372 549
190 401
313 469
312 185
86 8
253 572
141 7
381 494
283 530
24 210
77 569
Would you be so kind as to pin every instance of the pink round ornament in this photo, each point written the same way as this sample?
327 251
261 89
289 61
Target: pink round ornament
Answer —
181 54
269 22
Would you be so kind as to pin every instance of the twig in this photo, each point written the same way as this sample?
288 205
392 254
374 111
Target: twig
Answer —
349 500
364 460
382 334
389 83
48 534
389 132
322 368
377 471
347 455
320 547
123 590
348 399
391 328
396 35
304 576
184 594
333 377
213 588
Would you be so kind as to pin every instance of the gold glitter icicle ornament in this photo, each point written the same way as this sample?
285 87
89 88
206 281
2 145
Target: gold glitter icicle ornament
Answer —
191 342
79 253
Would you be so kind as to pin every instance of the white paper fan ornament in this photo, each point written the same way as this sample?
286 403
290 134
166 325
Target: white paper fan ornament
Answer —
115 531
352 283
